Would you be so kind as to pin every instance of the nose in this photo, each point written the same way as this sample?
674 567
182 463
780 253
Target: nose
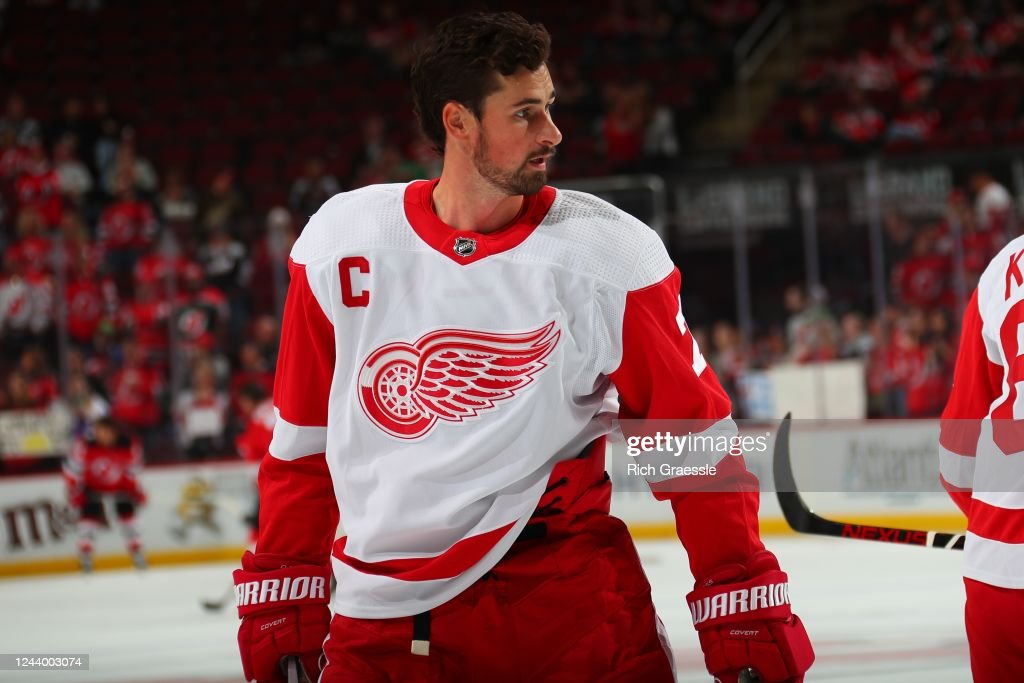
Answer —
550 136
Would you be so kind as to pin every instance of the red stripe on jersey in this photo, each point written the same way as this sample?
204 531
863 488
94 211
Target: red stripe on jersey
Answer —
960 496
977 382
657 380
452 562
996 523
305 365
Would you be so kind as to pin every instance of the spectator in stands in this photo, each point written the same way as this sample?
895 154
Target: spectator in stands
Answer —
993 205
13 155
73 177
41 383
313 188
26 303
222 206
870 70
17 394
126 228
200 413
856 341
252 370
810 329
108 136
963 57
33 250
1004 38
26 129
859 126
622 127
85 403
922 279
727 357
201 315
178 207
38 185
128 164
90 299
135 388
266 334
269 263
917 120
257 419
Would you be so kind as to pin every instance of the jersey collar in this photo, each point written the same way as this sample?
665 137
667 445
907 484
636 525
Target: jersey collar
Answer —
467 246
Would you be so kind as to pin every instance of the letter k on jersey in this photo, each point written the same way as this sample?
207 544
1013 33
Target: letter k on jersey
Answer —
1013 270
449 374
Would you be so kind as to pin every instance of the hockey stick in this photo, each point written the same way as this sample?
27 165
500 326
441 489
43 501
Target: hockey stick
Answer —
801 518
294 670
219 603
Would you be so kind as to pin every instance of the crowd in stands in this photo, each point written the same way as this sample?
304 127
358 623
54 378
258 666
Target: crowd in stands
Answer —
157 160
151 185
909 76
908 349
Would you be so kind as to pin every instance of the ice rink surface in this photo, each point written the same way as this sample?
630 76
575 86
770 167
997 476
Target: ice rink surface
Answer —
875 612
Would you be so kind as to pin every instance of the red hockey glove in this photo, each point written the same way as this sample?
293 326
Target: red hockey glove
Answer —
743 619
284 612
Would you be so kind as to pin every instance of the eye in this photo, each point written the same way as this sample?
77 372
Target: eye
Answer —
523 114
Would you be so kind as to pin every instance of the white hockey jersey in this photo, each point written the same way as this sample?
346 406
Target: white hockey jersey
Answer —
982 431
430 381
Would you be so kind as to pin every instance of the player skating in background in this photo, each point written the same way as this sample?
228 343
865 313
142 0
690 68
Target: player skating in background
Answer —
982 465
105 465
447 350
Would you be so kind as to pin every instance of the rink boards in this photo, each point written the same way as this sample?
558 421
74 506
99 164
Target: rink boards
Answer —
197 512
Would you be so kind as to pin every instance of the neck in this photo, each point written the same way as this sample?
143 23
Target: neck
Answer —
465 201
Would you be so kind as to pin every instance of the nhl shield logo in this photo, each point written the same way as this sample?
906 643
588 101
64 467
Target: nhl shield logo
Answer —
465 246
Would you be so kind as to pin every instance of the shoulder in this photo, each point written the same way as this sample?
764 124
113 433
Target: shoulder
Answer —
1002 272
349 219
602 241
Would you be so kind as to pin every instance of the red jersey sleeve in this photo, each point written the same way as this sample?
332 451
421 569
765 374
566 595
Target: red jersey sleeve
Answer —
977 382
662 375
298 510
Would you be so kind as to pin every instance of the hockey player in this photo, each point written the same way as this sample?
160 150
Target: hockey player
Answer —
982 464
107 464
446 352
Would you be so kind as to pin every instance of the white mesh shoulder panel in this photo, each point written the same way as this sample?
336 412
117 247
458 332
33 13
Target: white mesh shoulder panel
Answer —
366 218
588 236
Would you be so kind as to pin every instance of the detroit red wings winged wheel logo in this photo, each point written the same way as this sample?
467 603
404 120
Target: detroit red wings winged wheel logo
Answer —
450 375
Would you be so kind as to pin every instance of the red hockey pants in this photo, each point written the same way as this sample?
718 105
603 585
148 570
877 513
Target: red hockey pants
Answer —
994 632
570 607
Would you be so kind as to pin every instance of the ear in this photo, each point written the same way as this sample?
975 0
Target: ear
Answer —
460 123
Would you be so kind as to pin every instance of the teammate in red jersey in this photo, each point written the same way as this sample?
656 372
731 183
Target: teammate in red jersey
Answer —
982 464
449 351
105 465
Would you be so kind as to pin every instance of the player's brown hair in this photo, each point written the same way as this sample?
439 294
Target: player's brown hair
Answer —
459 60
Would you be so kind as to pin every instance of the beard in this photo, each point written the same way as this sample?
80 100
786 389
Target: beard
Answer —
524 180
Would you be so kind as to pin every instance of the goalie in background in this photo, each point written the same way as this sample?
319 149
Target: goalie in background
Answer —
105 465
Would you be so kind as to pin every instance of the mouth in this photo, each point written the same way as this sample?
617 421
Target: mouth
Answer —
539 163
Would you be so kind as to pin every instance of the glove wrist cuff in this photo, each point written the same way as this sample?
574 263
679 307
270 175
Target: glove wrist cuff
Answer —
765 597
